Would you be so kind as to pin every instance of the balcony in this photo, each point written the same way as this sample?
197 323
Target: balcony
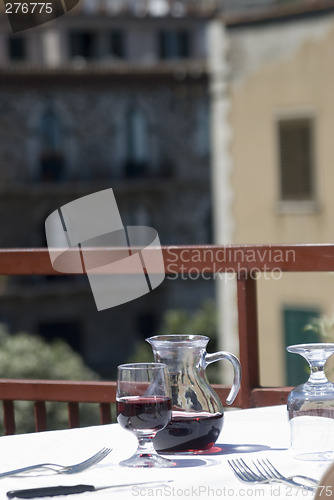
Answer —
306 258
152 8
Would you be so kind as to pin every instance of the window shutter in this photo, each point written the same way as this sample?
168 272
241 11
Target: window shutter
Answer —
296 159
295 321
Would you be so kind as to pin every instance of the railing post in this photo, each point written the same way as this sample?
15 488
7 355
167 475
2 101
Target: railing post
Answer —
105 413
73 415
248 337
9 417
40 416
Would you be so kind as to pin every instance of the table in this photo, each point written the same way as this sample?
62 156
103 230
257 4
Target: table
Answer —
251 433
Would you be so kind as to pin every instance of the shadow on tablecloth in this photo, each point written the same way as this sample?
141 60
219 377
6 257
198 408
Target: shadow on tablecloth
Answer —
228 449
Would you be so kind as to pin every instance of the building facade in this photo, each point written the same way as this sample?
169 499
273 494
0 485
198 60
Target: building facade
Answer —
210 125
281 151
97 99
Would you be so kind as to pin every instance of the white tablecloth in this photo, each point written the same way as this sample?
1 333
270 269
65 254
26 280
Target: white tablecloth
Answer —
253 433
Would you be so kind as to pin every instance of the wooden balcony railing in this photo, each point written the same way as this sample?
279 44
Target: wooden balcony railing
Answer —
209 259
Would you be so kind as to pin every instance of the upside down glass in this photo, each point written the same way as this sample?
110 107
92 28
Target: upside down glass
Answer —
311 406
144 406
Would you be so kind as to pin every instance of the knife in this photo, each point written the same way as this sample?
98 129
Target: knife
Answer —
52 491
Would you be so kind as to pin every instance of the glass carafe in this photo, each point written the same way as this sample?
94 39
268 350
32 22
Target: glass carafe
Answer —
311 406
197 412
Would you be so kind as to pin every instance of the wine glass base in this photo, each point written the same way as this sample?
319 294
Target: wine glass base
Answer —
147 460
315 456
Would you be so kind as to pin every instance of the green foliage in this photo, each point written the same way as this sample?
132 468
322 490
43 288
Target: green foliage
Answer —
177 321
323 326
202 322
31 357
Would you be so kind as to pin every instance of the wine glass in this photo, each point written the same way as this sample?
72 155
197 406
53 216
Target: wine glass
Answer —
144 406
311 406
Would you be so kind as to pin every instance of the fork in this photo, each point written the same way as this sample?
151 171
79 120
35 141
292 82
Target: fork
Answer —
265 472
61 469
273 470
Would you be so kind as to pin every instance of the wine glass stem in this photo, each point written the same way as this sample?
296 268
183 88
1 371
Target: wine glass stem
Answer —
145 445
317 375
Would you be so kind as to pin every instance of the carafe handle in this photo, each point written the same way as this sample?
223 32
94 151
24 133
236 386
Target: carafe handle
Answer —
216 356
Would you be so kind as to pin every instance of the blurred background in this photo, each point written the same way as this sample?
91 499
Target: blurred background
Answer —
212 120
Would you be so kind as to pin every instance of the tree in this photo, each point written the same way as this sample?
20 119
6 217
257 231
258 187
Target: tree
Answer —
31 357
202 322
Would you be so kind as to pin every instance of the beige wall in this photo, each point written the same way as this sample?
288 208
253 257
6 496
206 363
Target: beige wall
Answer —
300 80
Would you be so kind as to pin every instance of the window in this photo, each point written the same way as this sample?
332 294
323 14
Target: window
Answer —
82 44
174 44
137 143
51 141
202 129
97 45
295 320
117 44
296 159
16 48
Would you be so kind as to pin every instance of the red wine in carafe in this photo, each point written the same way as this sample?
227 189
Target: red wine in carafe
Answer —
189 431
141 413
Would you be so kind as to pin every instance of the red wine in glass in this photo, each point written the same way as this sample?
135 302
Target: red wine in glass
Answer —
139 413
144 406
